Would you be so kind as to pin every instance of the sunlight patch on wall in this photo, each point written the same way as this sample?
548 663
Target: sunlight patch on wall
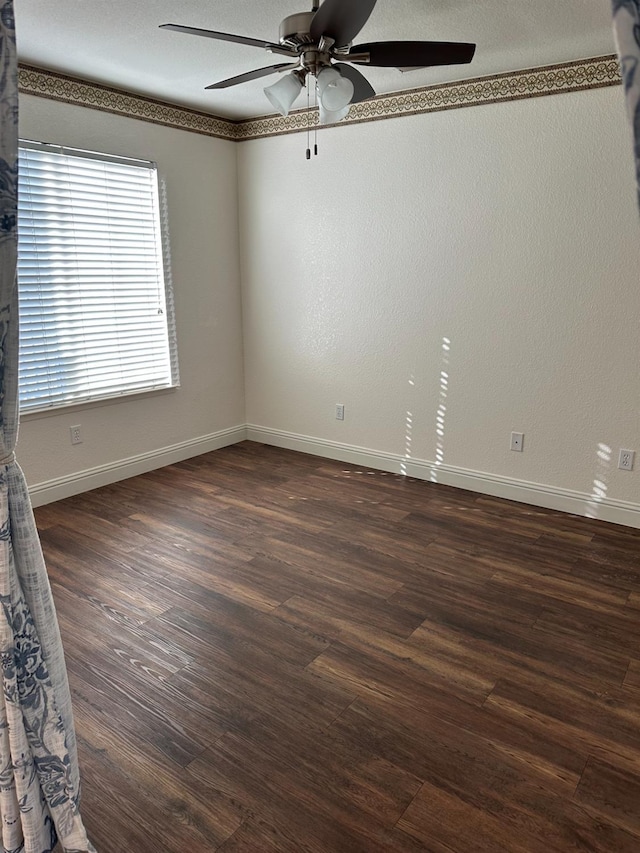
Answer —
408 434
441 413
599 489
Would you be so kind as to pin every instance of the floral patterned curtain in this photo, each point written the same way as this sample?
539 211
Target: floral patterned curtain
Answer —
39 779
626 25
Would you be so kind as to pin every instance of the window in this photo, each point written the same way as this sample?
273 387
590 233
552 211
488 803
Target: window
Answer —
96 317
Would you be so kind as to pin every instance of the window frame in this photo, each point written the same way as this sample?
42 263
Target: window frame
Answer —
163 261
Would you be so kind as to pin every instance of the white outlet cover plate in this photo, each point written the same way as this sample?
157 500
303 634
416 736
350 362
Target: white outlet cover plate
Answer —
626 460
517 441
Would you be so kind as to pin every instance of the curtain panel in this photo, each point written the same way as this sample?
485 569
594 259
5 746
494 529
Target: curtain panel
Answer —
39 778
626 25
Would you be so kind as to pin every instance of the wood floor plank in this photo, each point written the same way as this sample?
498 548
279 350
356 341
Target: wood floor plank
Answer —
562 655
468 605
572 737
315 581
605 628
463 753
331 616
253 835
93 628
320 757
200 576
632 678
314 559
241 689
507 736
232 627
437 815
443 818
131 706
364 671
387 538
569 589
310 813
187 537
506 657
149 821
573 528
270 651
608 718
112 590
516 796
367 639
613 793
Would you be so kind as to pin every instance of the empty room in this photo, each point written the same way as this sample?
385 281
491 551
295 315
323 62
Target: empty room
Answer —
320 370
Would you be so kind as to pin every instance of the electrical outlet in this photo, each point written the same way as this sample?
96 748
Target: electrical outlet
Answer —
76 434
626 460
517 441
339 411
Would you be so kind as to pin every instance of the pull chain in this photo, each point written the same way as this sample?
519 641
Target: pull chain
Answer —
314 8
315 128
308 125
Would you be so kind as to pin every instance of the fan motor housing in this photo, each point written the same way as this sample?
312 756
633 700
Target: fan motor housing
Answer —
294 30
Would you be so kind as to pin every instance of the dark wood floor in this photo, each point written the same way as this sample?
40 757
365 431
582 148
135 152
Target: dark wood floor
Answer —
273 652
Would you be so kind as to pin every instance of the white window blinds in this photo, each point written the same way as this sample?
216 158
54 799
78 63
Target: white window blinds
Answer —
95 314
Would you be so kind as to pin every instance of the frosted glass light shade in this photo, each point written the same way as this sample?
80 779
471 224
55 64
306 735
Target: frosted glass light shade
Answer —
335 90
283 93
332 117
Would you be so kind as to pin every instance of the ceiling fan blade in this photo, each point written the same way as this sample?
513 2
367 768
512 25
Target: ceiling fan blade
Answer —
341 20
252 75
414 54
213 34
362 89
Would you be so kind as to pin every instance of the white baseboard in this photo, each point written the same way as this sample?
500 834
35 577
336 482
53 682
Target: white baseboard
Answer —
536 494
103 475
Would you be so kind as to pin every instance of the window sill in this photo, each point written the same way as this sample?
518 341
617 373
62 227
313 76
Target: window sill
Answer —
58 411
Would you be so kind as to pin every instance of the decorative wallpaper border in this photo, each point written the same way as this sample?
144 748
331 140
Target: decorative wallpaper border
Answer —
551 79
58 87
548 80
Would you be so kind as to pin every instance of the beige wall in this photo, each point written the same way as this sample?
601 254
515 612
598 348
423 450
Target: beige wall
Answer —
509 231
201 184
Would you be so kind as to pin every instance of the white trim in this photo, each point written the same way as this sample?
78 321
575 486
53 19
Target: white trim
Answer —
103 475
536 494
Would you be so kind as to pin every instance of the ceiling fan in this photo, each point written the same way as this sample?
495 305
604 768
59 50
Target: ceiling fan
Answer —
320 43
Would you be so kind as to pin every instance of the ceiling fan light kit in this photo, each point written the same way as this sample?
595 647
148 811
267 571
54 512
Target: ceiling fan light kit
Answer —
331 117
284 92
334 90
319 44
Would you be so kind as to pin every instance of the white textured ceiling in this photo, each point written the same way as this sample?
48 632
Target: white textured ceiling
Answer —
118 42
